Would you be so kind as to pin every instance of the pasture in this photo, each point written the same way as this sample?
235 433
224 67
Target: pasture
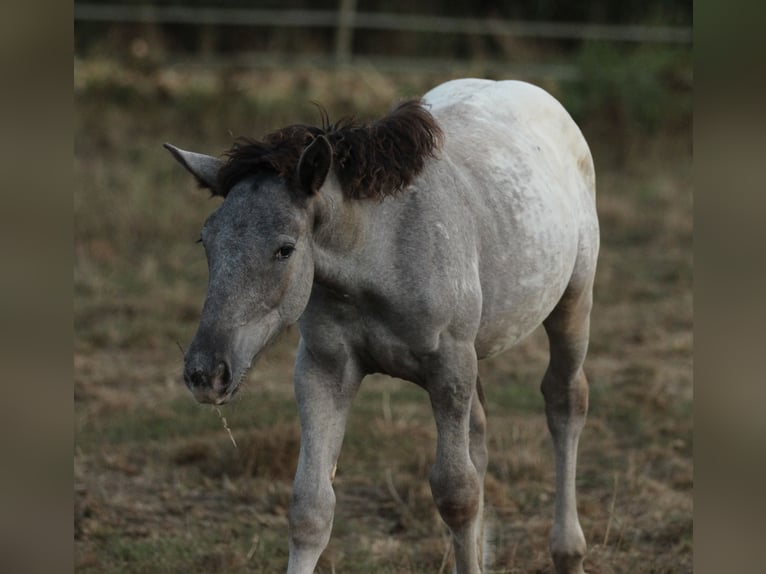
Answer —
159 484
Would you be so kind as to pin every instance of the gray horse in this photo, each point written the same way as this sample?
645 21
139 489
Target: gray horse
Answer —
415 245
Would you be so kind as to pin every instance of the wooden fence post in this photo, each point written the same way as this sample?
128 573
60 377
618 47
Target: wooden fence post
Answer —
344 32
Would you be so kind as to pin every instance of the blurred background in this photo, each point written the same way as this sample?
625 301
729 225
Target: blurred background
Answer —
159 485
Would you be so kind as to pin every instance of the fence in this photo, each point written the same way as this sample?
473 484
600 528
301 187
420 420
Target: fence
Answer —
346 20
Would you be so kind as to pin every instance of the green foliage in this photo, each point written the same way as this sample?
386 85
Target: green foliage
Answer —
647 87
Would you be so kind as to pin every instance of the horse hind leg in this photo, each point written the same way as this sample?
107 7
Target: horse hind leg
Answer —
479 457
565 389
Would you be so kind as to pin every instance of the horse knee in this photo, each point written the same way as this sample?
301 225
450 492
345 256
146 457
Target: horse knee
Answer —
457 496
311 517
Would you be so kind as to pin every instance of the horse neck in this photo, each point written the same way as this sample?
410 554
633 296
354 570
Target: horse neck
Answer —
339 236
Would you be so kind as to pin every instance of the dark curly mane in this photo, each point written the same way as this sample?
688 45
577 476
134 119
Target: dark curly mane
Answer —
371 159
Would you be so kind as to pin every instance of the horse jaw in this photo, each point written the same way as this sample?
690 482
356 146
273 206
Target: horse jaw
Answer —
249 342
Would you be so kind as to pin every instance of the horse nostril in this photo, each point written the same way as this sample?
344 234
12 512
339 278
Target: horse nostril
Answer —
196 378
211 379
222 374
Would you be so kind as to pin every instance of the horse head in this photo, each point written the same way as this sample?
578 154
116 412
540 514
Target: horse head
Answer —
260 268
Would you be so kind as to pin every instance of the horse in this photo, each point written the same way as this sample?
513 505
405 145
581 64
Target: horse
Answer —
413 245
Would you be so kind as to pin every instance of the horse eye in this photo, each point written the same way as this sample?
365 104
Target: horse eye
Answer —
284 252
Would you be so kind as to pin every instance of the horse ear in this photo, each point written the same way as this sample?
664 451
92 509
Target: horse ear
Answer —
315 164
203 167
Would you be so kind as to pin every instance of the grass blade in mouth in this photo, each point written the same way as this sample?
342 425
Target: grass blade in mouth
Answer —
226 426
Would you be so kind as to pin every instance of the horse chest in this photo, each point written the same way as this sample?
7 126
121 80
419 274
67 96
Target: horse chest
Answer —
382 335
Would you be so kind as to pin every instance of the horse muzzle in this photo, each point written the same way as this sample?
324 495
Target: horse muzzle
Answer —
209 385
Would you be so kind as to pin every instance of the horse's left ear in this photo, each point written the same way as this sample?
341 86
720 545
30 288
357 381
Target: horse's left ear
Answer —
315 164
203 167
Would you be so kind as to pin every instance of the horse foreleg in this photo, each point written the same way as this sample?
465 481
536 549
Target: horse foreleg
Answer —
324 397
456 484
565 389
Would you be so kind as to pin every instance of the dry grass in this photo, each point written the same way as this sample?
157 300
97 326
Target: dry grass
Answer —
159 486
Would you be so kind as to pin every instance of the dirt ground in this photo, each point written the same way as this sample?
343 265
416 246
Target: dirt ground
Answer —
161 487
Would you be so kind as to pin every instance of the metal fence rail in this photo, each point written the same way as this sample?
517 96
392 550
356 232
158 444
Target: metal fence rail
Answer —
346 20
379 21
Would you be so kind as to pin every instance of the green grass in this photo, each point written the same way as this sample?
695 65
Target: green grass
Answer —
159 555
181 418
516 397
